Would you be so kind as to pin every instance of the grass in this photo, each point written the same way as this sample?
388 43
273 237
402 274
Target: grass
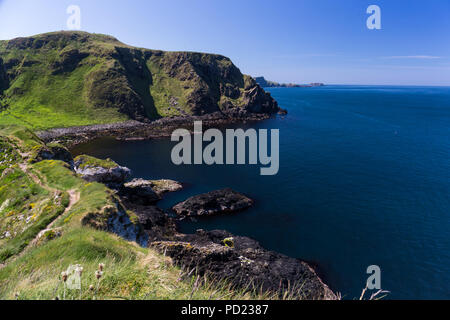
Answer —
130 272
66 79
29 208
53 101
32 266
88 161
164 88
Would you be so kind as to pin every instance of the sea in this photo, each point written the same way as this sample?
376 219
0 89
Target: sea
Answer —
364 179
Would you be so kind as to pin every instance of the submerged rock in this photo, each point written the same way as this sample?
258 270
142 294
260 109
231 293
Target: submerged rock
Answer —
212 203
104 171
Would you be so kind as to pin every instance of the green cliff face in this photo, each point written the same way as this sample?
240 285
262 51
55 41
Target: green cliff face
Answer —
74 78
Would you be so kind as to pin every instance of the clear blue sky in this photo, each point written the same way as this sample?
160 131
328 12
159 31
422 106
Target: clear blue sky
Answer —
287 41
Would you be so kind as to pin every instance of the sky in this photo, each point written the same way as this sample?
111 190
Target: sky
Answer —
298 41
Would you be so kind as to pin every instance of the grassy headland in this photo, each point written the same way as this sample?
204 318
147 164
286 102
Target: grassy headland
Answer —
65 79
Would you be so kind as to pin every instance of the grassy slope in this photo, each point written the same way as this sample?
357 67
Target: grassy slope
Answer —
32 270
38 99
75 78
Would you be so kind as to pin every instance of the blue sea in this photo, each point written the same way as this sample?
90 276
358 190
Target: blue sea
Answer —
364 180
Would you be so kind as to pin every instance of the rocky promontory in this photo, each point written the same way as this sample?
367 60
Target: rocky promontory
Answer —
105 171
221 255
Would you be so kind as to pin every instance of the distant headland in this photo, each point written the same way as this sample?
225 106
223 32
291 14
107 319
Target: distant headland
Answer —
266 83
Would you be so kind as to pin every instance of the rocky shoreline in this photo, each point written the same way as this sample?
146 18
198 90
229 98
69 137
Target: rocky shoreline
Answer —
136 130
217 253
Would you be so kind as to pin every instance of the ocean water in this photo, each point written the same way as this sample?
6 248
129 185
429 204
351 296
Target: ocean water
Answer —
364 180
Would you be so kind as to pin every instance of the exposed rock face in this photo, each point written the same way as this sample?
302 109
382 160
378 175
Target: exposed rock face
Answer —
68 61
212 203
140 191
119 223
245 263
3 78
103 171
115 219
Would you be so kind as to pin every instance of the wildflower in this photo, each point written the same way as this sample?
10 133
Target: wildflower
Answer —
91 288
64 276
98 274
101 266
79 270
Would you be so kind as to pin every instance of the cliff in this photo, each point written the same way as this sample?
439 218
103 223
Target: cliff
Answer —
64 79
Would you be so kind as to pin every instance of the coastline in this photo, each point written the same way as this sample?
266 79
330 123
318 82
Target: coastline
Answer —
135 130
202 250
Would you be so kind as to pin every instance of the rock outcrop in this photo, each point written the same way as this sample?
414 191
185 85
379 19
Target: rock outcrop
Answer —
140 191
213 203
104 171
245 263
52 151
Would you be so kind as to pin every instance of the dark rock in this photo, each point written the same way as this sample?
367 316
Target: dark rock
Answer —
140 191
3 77
156 223
60 153
68 61
282 112
53 151
245 263
212 203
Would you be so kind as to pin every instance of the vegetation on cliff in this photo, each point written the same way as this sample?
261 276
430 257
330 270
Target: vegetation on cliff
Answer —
64 79
50 219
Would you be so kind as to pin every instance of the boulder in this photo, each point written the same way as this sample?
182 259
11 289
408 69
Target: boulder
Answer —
104 171
212 203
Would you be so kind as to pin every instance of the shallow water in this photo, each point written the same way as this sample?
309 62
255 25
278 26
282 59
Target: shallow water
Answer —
364 179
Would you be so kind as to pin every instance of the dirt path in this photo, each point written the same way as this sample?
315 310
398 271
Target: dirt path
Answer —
74 197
